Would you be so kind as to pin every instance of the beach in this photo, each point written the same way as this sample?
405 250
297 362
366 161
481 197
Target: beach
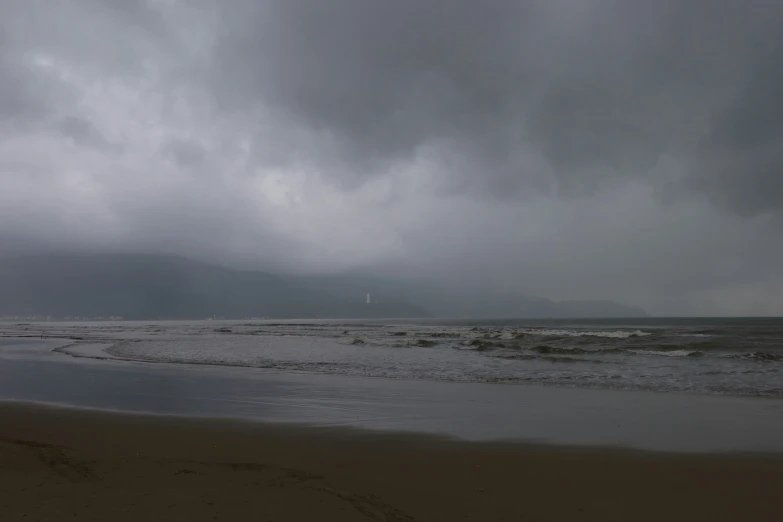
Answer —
69 464
228 421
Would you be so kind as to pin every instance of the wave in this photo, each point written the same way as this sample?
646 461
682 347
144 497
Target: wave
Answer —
614 334
481 345
545 364
670 353
551 358
758 356
665 350
543 348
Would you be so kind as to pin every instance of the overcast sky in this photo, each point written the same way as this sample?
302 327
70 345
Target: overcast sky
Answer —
608 149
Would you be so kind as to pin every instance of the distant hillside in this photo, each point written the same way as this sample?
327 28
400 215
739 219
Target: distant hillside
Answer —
168 287
450 300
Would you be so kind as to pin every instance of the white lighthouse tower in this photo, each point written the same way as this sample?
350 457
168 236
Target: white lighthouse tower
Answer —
368 298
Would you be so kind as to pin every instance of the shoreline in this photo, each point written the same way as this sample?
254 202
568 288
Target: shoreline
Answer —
579 417
347 431
96 465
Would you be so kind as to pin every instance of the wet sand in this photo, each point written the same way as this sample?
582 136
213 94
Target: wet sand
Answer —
67 464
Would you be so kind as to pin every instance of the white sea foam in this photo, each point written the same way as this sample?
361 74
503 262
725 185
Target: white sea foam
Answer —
89 350
616 334
669 353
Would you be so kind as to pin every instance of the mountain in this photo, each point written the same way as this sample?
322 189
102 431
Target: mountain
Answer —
137 286
168 287
447 299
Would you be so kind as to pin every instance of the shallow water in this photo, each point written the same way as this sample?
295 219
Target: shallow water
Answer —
31 371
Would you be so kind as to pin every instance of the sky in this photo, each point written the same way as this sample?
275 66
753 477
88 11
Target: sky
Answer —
573 149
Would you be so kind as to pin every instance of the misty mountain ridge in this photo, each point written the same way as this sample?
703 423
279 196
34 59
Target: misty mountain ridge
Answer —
453 300
166 287
140 286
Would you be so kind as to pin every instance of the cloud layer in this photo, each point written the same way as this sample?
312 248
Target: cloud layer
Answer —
574 149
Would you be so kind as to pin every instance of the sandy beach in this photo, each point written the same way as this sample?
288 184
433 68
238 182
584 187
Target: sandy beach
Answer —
69 464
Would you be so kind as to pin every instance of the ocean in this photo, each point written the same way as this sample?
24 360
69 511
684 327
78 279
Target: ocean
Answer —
741 357
694 385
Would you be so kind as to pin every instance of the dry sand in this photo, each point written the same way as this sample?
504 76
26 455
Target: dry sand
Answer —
61 464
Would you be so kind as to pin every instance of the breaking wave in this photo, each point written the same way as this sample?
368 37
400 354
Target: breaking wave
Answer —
615 334
758 356
670 353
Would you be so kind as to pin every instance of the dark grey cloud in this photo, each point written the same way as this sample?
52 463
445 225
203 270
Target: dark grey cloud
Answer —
602 88
591 149
741 159
15 99
185 153
24 96
83 132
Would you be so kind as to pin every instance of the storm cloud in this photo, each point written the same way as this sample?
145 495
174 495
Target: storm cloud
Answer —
572 149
